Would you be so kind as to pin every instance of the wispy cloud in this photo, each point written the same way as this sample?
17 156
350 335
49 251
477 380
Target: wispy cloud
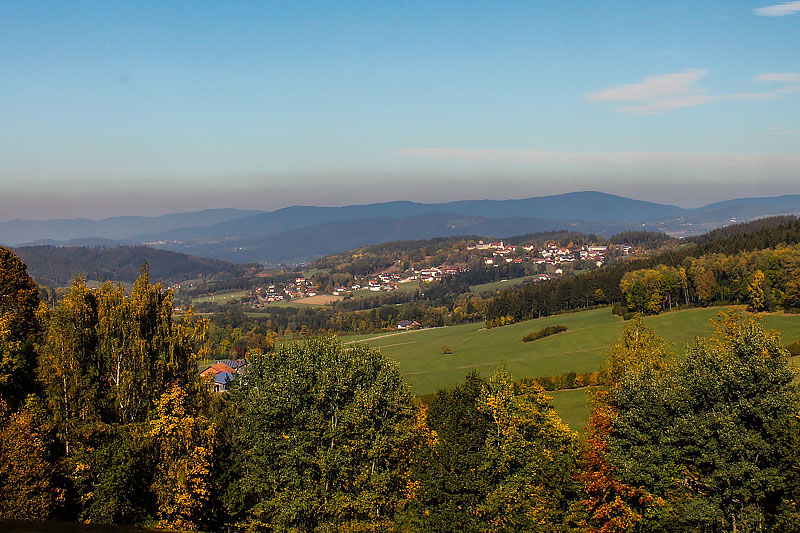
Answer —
652 87
782 130
666 92
614 158
778 10
786 77
657 94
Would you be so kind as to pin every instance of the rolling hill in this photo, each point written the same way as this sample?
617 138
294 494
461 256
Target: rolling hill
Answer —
332 237
581 348
57 266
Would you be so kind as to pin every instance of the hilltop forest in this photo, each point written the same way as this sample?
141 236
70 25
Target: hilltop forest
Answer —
754 264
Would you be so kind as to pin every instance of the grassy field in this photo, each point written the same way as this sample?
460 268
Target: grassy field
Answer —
220 298
495 285
411 286
581 348
419 352
573 406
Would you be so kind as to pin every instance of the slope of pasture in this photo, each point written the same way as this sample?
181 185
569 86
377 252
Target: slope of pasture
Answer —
581 348
220 298
474 347
497 285
572 406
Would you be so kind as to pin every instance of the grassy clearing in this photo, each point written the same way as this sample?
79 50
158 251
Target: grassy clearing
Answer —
582 348
497 285
220 298
299 302
573 406
365 293
411 286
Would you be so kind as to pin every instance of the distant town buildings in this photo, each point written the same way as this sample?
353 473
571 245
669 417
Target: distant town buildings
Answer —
551 260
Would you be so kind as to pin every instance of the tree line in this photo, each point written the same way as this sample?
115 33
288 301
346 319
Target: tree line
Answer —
604 286
762 279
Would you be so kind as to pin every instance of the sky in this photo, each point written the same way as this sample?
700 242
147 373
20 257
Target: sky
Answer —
146 108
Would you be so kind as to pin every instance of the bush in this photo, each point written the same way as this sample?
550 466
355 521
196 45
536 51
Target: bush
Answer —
542 333
794 349
619 309
568 380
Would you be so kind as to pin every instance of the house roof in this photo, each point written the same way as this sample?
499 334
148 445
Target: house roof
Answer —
217 368
233 364
223 377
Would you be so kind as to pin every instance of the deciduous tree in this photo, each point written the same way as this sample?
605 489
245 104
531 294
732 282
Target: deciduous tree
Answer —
326 439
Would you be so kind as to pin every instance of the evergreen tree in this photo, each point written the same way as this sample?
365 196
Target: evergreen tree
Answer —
448 466
708 435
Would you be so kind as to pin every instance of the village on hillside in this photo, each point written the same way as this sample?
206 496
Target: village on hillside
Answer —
547 262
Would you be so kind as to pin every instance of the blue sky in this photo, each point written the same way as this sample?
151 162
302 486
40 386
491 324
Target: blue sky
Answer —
147 108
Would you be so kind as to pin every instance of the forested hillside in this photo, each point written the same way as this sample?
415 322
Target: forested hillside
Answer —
603 286
56 266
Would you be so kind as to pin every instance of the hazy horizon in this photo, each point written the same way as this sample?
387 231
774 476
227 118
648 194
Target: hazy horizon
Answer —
153 211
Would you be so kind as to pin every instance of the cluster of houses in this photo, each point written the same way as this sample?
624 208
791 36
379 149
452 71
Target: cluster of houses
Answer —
223 372
554 254
549 255
384 281
388 281
299 288
493 253
268 294
482 246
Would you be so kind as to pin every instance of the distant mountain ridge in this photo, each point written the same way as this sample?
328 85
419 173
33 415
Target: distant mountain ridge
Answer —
331 237
15 232
298 232
589 206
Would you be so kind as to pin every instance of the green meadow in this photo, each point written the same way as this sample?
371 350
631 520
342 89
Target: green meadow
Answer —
581 348
573 406
497 285
220 298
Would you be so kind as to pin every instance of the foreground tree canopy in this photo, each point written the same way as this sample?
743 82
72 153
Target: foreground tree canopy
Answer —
706 442
103 419
326 438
